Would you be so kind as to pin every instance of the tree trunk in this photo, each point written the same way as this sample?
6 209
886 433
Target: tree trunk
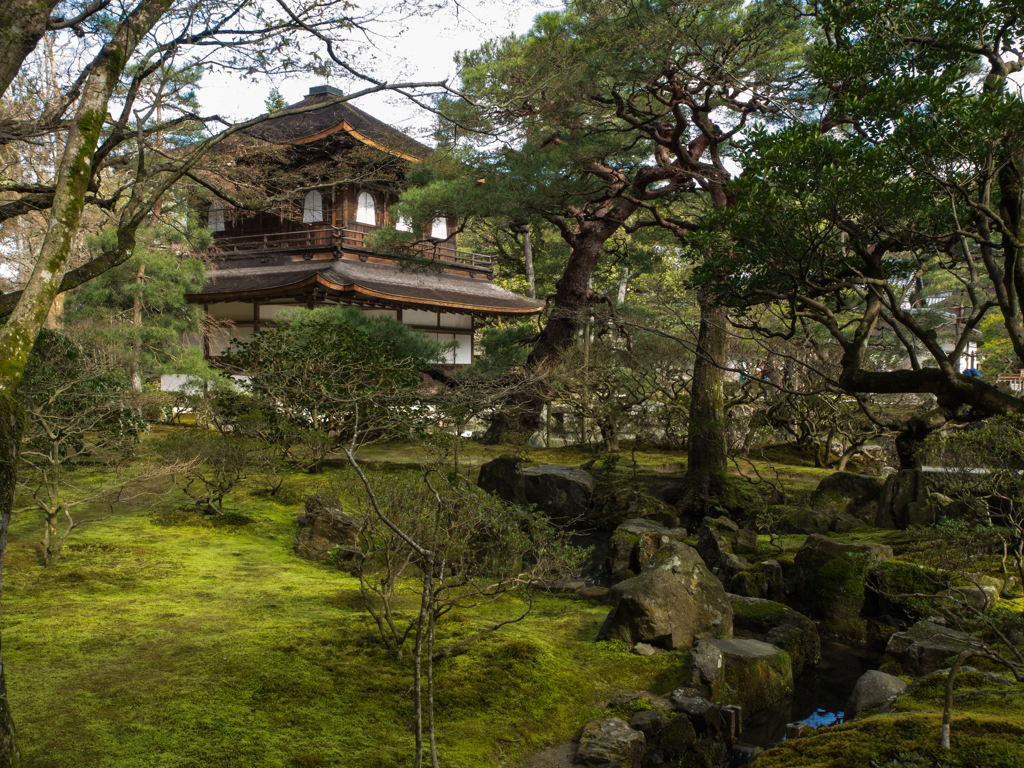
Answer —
528 258
22 26
12 426
705 449
520 418
137 325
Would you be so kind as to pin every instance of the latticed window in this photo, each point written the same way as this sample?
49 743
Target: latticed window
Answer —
366 209
313 208
216 218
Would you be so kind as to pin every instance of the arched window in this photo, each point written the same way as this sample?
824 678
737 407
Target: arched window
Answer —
366 209
403 224
313 208
216 218
439 229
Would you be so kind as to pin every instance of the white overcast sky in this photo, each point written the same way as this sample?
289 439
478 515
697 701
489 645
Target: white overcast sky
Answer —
419 49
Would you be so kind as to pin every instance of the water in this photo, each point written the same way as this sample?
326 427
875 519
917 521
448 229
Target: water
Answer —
819 694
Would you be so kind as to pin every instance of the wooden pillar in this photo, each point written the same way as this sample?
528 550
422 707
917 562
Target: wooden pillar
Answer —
256 317
206 332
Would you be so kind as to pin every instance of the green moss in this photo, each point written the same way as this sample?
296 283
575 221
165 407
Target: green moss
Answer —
213 645
758 611
832 591
977 742
758 683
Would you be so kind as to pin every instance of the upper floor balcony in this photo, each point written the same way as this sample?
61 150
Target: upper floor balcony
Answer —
351 238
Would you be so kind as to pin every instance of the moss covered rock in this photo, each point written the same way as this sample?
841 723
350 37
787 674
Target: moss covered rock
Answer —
759 674
610 740
674 600
926 647
780 626
830 582
633 543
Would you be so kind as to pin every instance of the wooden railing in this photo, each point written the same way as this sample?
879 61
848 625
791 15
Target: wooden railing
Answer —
343 238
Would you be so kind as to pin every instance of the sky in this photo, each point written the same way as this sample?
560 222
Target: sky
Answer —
418 49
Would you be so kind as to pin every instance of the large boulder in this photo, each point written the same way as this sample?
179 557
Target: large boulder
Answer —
612 506
763 581
674 600
326 528
758 673
830 582
503 477
857 495
926 646
778 625
610 741
563 493
871 689
912 497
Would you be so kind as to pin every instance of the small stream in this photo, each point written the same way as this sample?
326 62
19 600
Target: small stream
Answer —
819 696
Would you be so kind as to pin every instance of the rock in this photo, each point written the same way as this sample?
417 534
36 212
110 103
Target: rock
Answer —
844 523
983 599
621 504
643 649
925 646
765 581
649 723
701 713
807 521
746 542
674 600
627 698
634 542
712 543
873 688
732 721
707 669
503 477
611 741
830 582
780 626
858 495
798 731
566 586
677 738
326 528
597 594
912 497
563 493
758 673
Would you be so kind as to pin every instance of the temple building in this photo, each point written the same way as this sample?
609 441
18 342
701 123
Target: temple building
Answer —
311 250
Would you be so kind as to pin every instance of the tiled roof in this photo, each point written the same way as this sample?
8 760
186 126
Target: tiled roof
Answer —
367 282
310 125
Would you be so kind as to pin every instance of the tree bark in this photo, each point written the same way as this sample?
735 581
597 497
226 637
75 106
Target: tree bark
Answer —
521 417
706 456
531 291
22 26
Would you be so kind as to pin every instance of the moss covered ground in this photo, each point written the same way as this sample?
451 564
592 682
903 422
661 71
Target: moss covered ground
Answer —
168 640
164 639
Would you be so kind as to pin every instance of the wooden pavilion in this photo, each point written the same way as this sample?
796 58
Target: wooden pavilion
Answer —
314 253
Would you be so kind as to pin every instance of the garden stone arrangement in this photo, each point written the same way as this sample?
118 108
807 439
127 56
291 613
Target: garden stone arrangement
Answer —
748 621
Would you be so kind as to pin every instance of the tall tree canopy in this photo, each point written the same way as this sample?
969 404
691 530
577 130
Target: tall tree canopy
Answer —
616 116
910 174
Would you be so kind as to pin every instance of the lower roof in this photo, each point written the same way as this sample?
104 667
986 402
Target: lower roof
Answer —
380 284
